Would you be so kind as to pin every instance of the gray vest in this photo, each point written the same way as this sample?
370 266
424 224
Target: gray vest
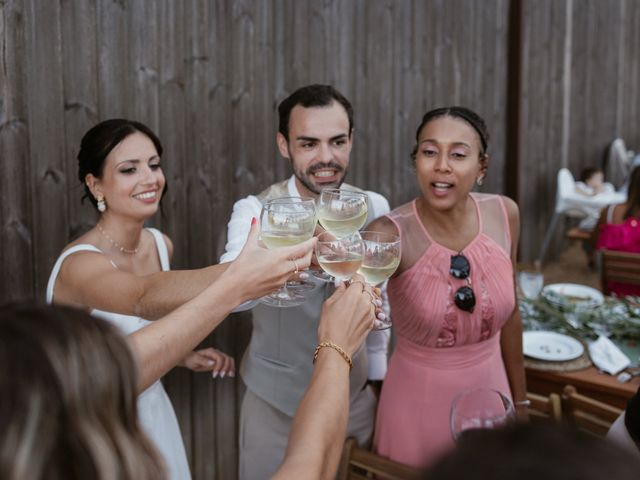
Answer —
277 365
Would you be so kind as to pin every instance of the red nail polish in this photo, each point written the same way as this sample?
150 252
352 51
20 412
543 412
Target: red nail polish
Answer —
253 220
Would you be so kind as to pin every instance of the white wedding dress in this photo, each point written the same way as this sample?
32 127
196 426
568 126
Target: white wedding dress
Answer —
155 412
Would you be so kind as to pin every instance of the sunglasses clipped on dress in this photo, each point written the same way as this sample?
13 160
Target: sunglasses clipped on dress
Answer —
464 297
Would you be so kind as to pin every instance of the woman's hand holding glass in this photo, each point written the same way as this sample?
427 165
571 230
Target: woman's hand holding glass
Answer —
258 272
348 315
284 222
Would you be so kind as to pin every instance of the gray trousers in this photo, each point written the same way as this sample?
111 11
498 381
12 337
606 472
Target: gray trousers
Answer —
264 431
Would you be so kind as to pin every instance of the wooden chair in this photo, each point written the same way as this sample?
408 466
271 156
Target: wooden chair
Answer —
544 410
360 464
619 267
587 414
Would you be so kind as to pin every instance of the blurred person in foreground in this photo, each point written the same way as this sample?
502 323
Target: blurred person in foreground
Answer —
68 387
527 452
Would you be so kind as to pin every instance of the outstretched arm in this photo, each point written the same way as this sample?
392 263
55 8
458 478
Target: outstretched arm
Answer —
163 344
320 424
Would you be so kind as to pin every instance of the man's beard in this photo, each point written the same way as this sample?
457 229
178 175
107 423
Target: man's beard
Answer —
305 177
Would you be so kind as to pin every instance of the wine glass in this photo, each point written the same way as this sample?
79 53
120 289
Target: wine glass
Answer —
479 408
284 222
342 212
381 258
340 257
531 283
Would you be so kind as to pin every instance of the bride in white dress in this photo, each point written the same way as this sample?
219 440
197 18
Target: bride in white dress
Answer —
120 271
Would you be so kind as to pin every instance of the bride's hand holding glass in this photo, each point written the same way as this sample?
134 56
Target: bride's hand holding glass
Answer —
261 271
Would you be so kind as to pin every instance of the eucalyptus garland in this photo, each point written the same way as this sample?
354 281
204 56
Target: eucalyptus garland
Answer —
617 318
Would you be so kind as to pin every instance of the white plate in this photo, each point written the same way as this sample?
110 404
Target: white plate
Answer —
573 294
551 346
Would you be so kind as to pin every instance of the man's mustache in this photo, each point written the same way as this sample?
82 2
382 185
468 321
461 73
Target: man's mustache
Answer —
320 166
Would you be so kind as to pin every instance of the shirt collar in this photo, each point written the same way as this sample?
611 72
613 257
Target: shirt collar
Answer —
291 186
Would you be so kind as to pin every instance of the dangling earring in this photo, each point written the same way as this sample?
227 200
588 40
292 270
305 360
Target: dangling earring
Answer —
480 180
101 205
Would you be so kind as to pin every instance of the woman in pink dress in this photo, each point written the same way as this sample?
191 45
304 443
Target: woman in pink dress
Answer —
453 297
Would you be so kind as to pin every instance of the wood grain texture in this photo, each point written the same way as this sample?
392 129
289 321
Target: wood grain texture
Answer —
208 76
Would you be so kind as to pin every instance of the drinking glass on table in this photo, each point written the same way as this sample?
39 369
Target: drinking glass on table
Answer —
284 222
480 408
380 260
531 283
340 257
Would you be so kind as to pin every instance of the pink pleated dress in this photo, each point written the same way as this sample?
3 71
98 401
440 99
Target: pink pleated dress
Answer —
441 350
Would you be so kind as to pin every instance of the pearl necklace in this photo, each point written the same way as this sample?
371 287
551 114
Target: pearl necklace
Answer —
116 244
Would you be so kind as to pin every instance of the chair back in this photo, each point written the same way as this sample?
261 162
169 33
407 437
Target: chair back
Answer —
544 410
360 464
587 414
617 165
565 195
620 267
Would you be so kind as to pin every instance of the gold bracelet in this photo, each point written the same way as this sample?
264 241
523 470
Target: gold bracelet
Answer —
330 344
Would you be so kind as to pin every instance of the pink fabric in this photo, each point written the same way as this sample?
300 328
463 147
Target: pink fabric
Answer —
442 350
621 237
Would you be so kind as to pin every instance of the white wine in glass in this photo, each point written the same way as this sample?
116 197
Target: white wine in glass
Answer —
341 257
285 222
381 259
342 212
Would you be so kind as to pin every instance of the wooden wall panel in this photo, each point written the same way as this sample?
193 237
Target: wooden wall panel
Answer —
17 280
208 75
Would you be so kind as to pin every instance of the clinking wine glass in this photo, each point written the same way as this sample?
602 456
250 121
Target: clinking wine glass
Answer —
341 212
380 260
286 221
531 283
480 408
340 257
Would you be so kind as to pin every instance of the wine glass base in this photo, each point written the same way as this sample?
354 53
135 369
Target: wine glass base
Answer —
299 287
283 300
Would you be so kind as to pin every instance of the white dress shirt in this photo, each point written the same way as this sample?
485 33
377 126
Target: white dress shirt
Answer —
238 231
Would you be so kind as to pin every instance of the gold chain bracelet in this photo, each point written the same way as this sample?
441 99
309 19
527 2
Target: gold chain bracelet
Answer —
344 354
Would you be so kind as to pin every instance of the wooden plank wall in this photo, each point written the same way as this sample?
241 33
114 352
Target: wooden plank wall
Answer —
207 76
580 64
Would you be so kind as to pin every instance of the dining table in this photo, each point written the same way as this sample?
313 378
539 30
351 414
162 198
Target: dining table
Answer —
618 319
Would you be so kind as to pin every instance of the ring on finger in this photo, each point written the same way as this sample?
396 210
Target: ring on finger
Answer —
364 285
295 270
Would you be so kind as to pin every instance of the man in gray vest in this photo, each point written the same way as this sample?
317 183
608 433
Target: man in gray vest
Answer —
315 135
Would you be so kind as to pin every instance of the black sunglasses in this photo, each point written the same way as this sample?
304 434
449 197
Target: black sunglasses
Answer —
464 297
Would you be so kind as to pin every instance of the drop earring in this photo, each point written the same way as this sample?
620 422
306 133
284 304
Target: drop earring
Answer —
101 205
480 180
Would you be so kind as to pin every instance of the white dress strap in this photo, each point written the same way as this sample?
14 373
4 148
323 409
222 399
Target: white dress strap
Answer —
83 247
161 246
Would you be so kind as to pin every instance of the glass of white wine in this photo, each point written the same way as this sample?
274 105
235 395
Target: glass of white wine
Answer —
340 257
380 260
342 212
284 222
